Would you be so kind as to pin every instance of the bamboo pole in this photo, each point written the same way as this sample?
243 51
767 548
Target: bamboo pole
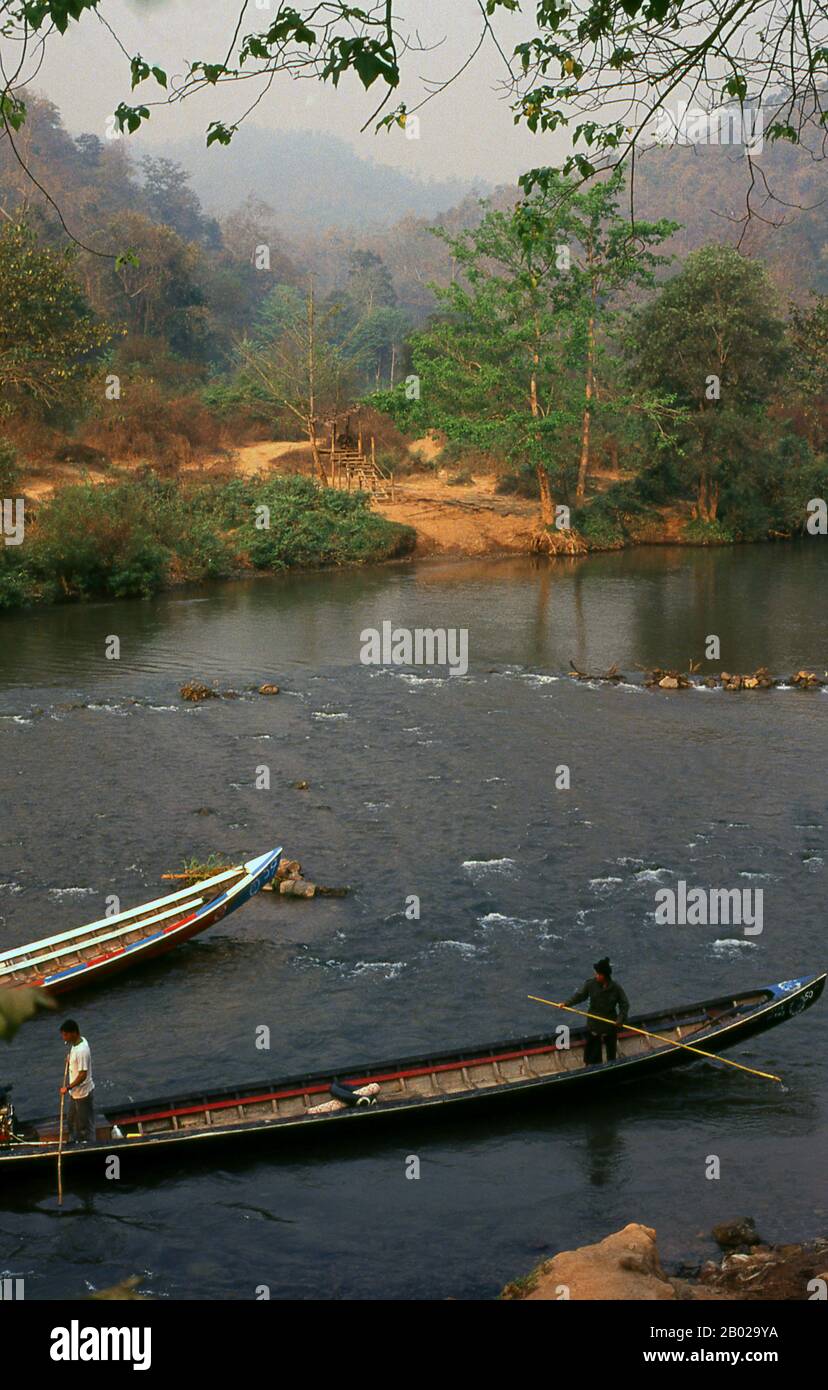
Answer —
60 1133
768 1076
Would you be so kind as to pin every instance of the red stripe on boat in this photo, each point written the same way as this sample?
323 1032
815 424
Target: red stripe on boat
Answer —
182 923
319 1090
97 960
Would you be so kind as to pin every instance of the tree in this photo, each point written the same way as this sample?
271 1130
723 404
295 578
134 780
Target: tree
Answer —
50 341
806 397
170 199
369 286
298 369
511 363
368 325
156 292
491 369
609 254
713 339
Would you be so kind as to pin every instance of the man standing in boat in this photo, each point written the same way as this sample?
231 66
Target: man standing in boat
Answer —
81 1087
608 1000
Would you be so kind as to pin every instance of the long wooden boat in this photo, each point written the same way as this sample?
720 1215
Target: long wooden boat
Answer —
84 955
512 1069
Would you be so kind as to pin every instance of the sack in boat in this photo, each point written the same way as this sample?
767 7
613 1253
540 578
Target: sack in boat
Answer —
344 1097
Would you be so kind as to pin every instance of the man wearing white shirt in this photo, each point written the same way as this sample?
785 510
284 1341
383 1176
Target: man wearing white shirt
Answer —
81 1087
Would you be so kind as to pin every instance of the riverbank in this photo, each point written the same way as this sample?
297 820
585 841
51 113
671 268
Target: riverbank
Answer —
625 1267
144 534
121 530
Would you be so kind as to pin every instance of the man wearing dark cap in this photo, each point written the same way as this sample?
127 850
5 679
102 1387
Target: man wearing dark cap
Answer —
608 1000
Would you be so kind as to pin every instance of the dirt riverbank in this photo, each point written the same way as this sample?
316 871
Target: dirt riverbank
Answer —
625 1266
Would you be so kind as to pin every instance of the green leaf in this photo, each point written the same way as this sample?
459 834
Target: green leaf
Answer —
130 117
736 86
220 134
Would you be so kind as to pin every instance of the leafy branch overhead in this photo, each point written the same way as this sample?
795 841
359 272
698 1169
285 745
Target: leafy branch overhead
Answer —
600 69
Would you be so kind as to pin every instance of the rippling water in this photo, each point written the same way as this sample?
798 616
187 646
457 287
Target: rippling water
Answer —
443 788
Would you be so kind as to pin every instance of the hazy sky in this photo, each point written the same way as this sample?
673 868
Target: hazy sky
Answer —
468 131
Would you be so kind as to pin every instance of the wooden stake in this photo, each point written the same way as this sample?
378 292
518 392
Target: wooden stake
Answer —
768 1076
60 1136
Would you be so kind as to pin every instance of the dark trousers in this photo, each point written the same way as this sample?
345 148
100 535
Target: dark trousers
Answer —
592 1048
82 1119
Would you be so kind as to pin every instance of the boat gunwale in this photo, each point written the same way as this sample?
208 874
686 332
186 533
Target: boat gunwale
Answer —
516 1046
396 1105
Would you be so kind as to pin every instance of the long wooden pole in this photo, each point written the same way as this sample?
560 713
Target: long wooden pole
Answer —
768 1076
60 1136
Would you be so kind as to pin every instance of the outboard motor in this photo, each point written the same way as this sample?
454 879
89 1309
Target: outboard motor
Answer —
6 1116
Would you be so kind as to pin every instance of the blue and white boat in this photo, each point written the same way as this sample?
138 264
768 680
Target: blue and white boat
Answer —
84 955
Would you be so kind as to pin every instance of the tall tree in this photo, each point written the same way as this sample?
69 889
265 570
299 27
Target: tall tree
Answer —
491 369
609 254
170 199
50 341
714 340
298 369
510 362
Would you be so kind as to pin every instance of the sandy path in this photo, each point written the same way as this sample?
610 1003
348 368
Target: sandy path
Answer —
470 520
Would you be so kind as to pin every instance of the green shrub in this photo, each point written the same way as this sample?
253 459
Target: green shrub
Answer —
600 529
99 540
16 584
9 470
138 536
708 532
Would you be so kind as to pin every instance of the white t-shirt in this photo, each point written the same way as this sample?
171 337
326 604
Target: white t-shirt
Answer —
80 1059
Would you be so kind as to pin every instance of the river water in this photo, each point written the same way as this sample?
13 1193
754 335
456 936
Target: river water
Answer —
444 788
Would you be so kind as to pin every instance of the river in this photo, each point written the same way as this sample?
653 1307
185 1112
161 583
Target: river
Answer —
444 788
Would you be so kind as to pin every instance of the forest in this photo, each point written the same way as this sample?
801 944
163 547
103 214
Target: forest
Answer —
614 364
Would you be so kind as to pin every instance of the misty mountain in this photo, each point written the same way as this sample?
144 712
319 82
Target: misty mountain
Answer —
311 180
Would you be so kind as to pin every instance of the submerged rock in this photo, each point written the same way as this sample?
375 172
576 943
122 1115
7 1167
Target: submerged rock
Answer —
734 1235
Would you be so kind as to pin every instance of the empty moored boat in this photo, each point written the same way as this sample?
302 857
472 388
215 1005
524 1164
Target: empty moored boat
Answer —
84 955
513 1069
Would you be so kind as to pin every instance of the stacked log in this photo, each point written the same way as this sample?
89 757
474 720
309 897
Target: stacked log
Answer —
668 680
761 679
613 674
806 680
197 690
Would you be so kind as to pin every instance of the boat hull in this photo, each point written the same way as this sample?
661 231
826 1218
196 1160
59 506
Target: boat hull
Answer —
92 954
198 1120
